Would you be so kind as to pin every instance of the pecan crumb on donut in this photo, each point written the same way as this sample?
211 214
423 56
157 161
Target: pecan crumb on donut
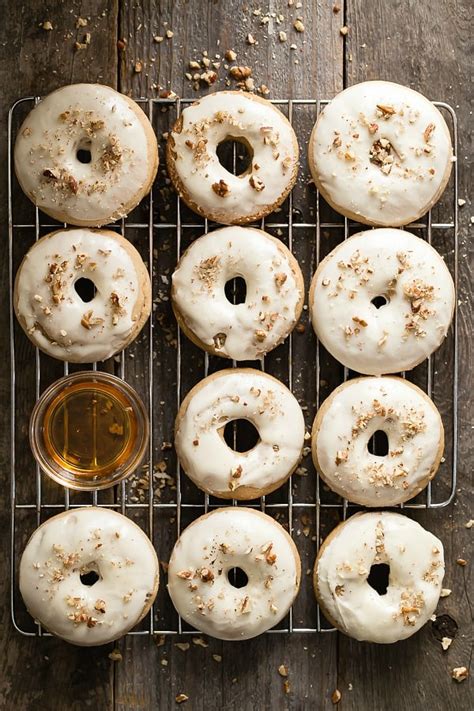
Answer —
385 111
221 188
112 155
206 575
219 340
280 279
428 131
88 321
256 183
208 269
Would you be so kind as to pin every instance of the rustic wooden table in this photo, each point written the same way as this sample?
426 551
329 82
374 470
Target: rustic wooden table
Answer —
422 44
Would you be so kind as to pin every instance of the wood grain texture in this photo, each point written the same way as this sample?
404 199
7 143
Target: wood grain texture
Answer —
428 47
423 44
44 673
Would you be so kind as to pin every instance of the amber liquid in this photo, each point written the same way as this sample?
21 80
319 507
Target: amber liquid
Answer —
90 429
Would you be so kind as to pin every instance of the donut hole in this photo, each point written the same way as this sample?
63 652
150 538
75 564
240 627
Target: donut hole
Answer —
379 301
83 153
89 578
236 290
235 155
241 435
378 444
237 577
379 577
85 288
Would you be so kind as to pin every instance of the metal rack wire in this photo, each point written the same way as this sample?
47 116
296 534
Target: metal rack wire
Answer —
28 512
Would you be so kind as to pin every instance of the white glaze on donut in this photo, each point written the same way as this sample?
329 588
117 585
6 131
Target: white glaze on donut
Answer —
343 565
347 420
203 182
274 298
119 137
235 394
209 549
55 317
77 542
418 289
381 153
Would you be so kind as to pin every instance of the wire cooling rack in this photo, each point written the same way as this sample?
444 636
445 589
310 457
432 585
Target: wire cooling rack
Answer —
162 365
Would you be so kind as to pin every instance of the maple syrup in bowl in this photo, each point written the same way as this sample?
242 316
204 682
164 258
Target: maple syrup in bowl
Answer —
89 430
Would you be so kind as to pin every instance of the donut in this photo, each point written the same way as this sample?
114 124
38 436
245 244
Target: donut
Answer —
380 154
86 155
101 322
201 565
205 185
274 292
239 394
343 581
89 575
347 420
382 301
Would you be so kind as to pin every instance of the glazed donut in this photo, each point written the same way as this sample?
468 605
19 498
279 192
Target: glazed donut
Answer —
273 302
89 542
200 570
53 314
345 423
203 182
86 155
236 394
341 576
398 268
381 154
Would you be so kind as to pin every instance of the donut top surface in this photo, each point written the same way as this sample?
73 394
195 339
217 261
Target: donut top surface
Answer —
80 542
201 565
232 395
352 414
98 120
413 282
416 561
204 182
53 313
381 153
274 291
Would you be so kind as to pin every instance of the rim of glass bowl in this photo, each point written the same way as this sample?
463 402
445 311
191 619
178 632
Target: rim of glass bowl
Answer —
63 476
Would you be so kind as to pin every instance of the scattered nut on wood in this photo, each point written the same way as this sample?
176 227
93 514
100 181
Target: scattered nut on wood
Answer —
445 592
461 562
344 30
298 25
283 670
181 698
115 655
200 642
46 25
286 686
217 658
336 696
459 673
446 643
470 523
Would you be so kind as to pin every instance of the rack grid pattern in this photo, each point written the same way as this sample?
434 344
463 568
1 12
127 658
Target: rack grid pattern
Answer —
317 507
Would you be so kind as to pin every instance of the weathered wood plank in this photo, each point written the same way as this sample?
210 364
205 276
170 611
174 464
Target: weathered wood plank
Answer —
248 674
425 46
43 673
